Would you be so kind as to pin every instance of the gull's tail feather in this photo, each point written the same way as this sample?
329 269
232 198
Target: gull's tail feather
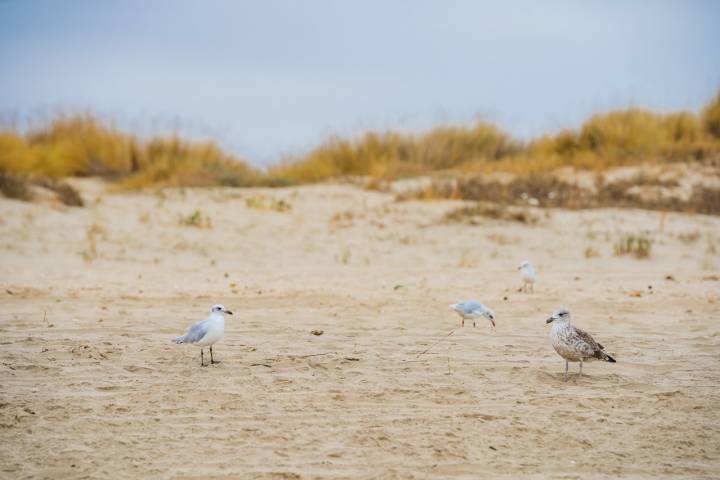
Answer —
179 339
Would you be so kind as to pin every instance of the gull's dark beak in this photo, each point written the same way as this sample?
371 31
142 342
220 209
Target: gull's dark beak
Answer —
493 322
549 320
228 312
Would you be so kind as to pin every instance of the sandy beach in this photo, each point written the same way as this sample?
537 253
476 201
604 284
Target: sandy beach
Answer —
92 387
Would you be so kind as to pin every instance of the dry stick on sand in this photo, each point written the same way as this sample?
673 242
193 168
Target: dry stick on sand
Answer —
431 346
312 355
292 357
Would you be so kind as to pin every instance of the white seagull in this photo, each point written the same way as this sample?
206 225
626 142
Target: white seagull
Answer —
572 343
471 310
527 272
206 332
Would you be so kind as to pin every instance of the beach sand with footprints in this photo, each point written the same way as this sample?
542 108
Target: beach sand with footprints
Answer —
91 385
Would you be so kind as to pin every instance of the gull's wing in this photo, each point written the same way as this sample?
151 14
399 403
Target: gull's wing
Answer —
585 343
196 332
472 307
529 273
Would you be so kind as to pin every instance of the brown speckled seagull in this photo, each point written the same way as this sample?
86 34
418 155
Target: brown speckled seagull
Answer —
573 344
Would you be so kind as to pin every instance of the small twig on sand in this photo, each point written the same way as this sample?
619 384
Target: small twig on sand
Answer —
315 355
45 320
260 365
431 346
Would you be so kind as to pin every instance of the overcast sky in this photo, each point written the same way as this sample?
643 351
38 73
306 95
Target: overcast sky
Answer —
268 78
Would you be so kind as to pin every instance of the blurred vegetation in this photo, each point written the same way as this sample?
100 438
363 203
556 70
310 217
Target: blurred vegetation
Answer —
636 245
84 145
195 219
495 211
711 117
617 138
14 186
548 191
21 187
392 155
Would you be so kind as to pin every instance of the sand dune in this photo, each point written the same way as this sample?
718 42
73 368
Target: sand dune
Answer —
91 387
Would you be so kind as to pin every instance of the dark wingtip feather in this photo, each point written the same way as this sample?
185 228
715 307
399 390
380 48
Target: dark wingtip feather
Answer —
608 358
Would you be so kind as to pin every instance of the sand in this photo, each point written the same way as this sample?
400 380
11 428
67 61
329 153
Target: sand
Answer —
92 387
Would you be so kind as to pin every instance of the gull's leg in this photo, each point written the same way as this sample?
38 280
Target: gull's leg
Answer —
581 367
202 362
565 377
211 357
474 326
462 324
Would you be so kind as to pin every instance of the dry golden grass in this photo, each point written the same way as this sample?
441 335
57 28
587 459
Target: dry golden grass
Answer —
637 245
20 187
264 202
711 117
15 186
393 155
623 137
195 219
83 145
548 190
494 211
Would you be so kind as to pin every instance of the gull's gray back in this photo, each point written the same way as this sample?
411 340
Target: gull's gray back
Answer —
197 332
471 307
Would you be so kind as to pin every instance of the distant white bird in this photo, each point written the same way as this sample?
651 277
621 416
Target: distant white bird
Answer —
572 343
527 272
207 332
471 310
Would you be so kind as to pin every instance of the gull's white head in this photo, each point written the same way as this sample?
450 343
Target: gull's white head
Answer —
559 315
490 315
220 309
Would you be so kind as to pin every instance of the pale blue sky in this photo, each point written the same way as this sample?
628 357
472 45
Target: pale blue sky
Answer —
274 77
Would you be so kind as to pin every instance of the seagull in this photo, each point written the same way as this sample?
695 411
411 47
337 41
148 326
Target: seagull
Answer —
573 344
206 332
527 272
473 309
